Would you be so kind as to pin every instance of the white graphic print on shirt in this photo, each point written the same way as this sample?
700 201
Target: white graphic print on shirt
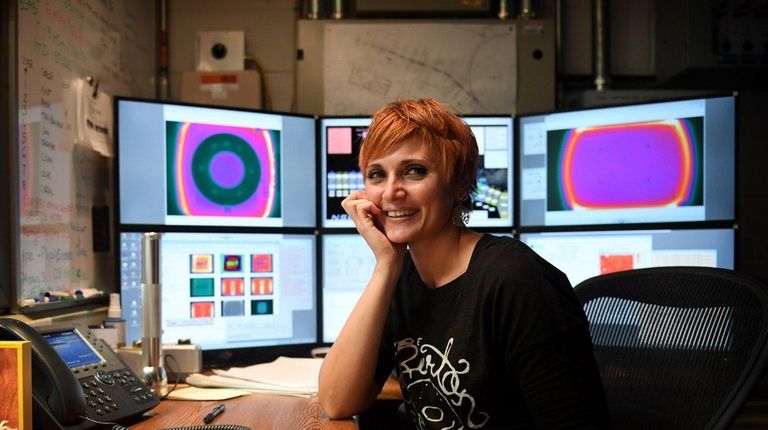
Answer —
432 389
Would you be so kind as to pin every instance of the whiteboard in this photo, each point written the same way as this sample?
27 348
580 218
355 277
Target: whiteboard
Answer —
469 66
59 181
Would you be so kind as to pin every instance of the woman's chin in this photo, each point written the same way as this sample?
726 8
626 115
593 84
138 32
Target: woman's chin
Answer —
398 237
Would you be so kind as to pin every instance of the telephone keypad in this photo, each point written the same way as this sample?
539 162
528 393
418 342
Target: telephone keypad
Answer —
104 386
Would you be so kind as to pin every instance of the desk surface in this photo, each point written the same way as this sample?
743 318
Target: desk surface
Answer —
257 411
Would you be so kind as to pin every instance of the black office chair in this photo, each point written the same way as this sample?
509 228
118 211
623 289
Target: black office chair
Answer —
678 347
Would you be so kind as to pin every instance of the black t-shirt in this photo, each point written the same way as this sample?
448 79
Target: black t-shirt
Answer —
504 345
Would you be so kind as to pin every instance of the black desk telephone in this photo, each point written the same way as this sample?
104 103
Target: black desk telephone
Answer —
76 375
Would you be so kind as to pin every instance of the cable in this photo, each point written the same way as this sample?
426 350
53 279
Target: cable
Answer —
177 372
266 100
115 426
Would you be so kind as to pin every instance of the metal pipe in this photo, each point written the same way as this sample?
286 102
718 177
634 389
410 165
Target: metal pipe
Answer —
503 11
162 86
314 9
338 9
559 53
600 45
151 316
526 10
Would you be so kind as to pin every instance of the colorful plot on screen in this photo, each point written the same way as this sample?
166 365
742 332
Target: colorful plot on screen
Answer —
232 286
201 263
262 307
232 263
232 308
262 286
261 263
634 165
201 310
201 287
216 170
611 263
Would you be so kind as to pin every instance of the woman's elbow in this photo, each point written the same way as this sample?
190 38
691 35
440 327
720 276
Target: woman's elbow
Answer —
332 407
339 403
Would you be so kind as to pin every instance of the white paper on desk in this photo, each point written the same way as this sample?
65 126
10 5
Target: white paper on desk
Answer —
301 373
216 381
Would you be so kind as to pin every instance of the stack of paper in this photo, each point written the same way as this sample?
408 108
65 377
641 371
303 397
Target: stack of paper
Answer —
288 376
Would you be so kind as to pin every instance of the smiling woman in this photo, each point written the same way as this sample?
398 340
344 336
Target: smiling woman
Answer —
482 331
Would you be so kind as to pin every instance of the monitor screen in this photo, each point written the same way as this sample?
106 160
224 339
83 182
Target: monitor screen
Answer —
227 291
213 166
493 202
582 255
670 161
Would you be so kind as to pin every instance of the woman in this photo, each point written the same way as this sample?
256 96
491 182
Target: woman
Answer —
482 331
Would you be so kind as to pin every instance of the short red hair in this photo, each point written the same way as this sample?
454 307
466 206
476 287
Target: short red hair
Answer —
446 135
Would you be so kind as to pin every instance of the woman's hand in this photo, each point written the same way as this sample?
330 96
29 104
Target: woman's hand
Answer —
364 212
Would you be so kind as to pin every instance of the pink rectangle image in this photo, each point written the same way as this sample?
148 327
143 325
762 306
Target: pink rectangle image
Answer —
339 140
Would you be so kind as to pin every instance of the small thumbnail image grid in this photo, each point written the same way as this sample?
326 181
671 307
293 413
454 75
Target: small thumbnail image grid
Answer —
223 291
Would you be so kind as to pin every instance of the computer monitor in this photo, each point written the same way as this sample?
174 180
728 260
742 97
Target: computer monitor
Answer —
213 166
671 161
582 255
340 175
227 291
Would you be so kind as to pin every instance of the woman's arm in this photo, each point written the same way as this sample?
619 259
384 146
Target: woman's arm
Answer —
346 385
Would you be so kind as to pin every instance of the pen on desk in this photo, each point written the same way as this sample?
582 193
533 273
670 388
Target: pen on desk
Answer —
215 412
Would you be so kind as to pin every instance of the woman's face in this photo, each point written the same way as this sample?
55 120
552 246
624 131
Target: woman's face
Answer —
408 187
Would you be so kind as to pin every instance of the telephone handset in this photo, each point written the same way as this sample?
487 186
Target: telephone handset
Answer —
75 375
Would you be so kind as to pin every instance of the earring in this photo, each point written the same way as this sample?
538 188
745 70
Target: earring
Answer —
460 216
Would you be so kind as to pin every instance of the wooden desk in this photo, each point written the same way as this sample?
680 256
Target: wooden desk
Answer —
257 411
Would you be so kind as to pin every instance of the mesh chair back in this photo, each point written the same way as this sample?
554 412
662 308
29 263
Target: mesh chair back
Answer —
678 347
